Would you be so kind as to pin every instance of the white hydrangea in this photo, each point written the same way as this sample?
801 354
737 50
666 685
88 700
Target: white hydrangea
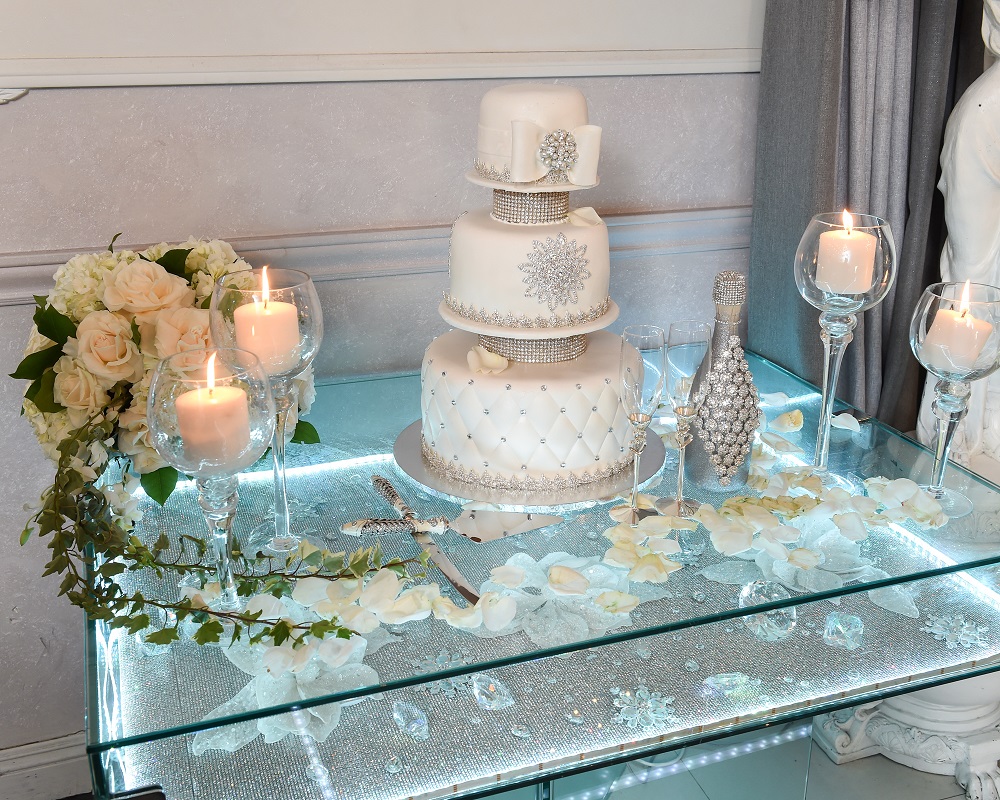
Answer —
79 283
208 261
50 429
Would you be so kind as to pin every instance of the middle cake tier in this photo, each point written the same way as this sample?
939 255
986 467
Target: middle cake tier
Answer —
530 426
534 276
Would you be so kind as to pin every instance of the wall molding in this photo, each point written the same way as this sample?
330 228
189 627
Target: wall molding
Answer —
45 770
353 255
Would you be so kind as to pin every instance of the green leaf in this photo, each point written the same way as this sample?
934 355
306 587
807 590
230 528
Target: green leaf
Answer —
161 544
111 247
40 300
305 433
33 365
164 636
209 631
53 325
137 623
280 632
159 484
41 393
173 261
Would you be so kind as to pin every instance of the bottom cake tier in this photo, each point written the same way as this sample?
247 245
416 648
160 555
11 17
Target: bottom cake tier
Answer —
531 426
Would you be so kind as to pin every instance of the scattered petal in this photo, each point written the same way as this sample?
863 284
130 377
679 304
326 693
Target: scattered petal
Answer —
337 652
653 568
847 422
774 398
789 422
498 610
616 602
851 526
310 591
803 558
467 618
564 580
507 575
779 443
662 525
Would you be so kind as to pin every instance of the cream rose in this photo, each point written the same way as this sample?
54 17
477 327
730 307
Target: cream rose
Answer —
134 443
144 286
105 346
178 330
77 388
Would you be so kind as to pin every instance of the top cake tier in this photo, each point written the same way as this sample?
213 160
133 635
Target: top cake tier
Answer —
536 138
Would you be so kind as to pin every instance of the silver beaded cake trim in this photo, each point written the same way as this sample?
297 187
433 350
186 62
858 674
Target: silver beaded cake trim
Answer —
490 173
730 288
530 208
536 351
508 320
556 271
730 414
528 483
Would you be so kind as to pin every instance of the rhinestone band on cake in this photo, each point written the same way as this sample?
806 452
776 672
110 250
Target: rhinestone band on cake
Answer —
536 351
485 317
529 483
522 208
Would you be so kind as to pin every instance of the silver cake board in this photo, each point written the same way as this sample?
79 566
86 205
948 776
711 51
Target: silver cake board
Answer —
407 453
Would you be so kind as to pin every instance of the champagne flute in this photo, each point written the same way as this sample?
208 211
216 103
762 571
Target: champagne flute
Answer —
688 343
642 376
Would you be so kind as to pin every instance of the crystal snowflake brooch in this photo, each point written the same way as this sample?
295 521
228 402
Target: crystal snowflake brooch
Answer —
555 271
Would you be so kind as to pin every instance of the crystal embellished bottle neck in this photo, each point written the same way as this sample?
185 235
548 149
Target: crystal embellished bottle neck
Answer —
729 294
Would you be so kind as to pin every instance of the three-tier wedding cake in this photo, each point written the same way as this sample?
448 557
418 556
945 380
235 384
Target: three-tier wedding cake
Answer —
524 395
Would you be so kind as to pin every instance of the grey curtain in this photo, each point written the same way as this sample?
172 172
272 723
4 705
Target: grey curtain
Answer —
854 95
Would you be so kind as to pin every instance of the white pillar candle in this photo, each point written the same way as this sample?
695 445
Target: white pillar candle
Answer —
214 422
955 338
845 263
270 330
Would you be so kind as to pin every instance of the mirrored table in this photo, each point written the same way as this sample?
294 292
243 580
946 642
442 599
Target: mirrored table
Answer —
436 711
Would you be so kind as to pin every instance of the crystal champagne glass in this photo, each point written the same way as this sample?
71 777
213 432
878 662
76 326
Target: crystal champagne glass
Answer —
955 335
844 264
211 415
688 344
275 314
642 368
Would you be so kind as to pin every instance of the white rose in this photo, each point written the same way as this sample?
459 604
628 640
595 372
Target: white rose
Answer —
178 330
105 346
77 388
134 442
143 286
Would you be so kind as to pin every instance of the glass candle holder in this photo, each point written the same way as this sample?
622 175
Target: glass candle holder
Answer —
211 415
276 315
955 335
844 264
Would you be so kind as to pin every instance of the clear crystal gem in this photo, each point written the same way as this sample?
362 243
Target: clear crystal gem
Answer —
770 626
411 720
490 693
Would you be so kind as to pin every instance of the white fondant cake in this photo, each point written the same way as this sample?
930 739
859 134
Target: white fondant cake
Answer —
514 122
521 276
531 426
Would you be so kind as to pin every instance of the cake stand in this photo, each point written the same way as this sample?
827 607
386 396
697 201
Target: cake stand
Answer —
409 458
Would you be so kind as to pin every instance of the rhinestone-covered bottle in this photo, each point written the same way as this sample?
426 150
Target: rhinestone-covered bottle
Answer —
724 430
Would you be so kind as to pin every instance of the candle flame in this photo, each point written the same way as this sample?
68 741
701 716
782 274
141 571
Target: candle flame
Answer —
265 289
848 221
210 373
963 307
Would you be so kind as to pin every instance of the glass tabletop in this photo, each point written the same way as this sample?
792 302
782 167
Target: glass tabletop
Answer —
574 676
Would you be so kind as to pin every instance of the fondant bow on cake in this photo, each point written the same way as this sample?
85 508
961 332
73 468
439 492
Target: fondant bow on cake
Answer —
534 152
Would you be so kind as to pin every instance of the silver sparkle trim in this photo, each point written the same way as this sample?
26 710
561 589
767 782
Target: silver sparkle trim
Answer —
529 483
530 208
486 317
555 271
729 416
730 288
536 351
490 173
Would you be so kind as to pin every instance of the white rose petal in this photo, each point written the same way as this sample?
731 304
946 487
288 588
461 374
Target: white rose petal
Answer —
803 558
310 591
851 526
358 619
337 652
622 512
381 591
779 443
77 387
774 398
270 607
664 525
278 660
623 554
625 533
411 605
616 602
507 575
653 568
567 581
663 546
498 610
789 422
847 422
468 618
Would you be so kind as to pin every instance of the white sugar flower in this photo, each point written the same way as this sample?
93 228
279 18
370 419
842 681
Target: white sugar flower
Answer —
484 362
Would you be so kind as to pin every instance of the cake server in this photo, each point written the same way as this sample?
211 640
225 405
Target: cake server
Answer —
477 525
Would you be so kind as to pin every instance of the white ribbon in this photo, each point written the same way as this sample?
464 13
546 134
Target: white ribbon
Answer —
526 166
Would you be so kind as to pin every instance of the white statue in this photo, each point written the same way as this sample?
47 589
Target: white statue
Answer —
970 183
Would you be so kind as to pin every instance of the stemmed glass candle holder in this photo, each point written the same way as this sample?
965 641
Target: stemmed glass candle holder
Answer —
642 368
688 343
844 264
955 335
275 314
211 416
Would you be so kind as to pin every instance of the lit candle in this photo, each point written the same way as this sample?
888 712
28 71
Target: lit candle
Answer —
956 338
269 329
214 422
845 262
